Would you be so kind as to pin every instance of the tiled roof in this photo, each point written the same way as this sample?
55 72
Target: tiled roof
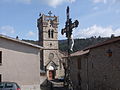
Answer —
78 53
113 40
20 41
86 50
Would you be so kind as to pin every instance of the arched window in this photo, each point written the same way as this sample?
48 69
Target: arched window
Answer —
49 33
52 33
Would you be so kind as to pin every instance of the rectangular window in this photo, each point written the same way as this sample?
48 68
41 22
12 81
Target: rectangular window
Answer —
0 78
0 57
79 63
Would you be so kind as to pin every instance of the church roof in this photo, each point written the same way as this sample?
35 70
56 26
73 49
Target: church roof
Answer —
20 41
86 50
79 53
113 40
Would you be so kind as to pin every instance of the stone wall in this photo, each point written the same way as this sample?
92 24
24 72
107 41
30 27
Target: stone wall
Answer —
104 70
98 71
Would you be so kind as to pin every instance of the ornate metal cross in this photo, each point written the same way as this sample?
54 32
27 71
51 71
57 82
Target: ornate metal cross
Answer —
68 31
69 25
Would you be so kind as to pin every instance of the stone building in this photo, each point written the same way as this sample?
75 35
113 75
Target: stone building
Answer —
76 63
97 67
51 59
20 63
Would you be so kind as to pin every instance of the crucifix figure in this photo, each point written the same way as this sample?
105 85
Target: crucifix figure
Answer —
69 25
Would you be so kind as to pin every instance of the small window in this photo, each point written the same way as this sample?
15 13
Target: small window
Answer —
0 57
0 79
79 63
52 34
49 33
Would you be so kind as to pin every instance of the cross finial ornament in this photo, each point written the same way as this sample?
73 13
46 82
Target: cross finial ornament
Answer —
50 13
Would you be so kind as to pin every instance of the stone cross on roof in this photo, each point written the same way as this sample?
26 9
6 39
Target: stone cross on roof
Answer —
50 13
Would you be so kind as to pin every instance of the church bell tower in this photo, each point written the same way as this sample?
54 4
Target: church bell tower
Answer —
48 38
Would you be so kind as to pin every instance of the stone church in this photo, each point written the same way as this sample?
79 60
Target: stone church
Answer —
51 60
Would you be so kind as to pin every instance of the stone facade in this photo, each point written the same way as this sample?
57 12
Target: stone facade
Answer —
77 72
48 38
99 68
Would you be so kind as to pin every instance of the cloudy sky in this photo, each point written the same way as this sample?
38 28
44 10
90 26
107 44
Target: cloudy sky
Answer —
96 17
